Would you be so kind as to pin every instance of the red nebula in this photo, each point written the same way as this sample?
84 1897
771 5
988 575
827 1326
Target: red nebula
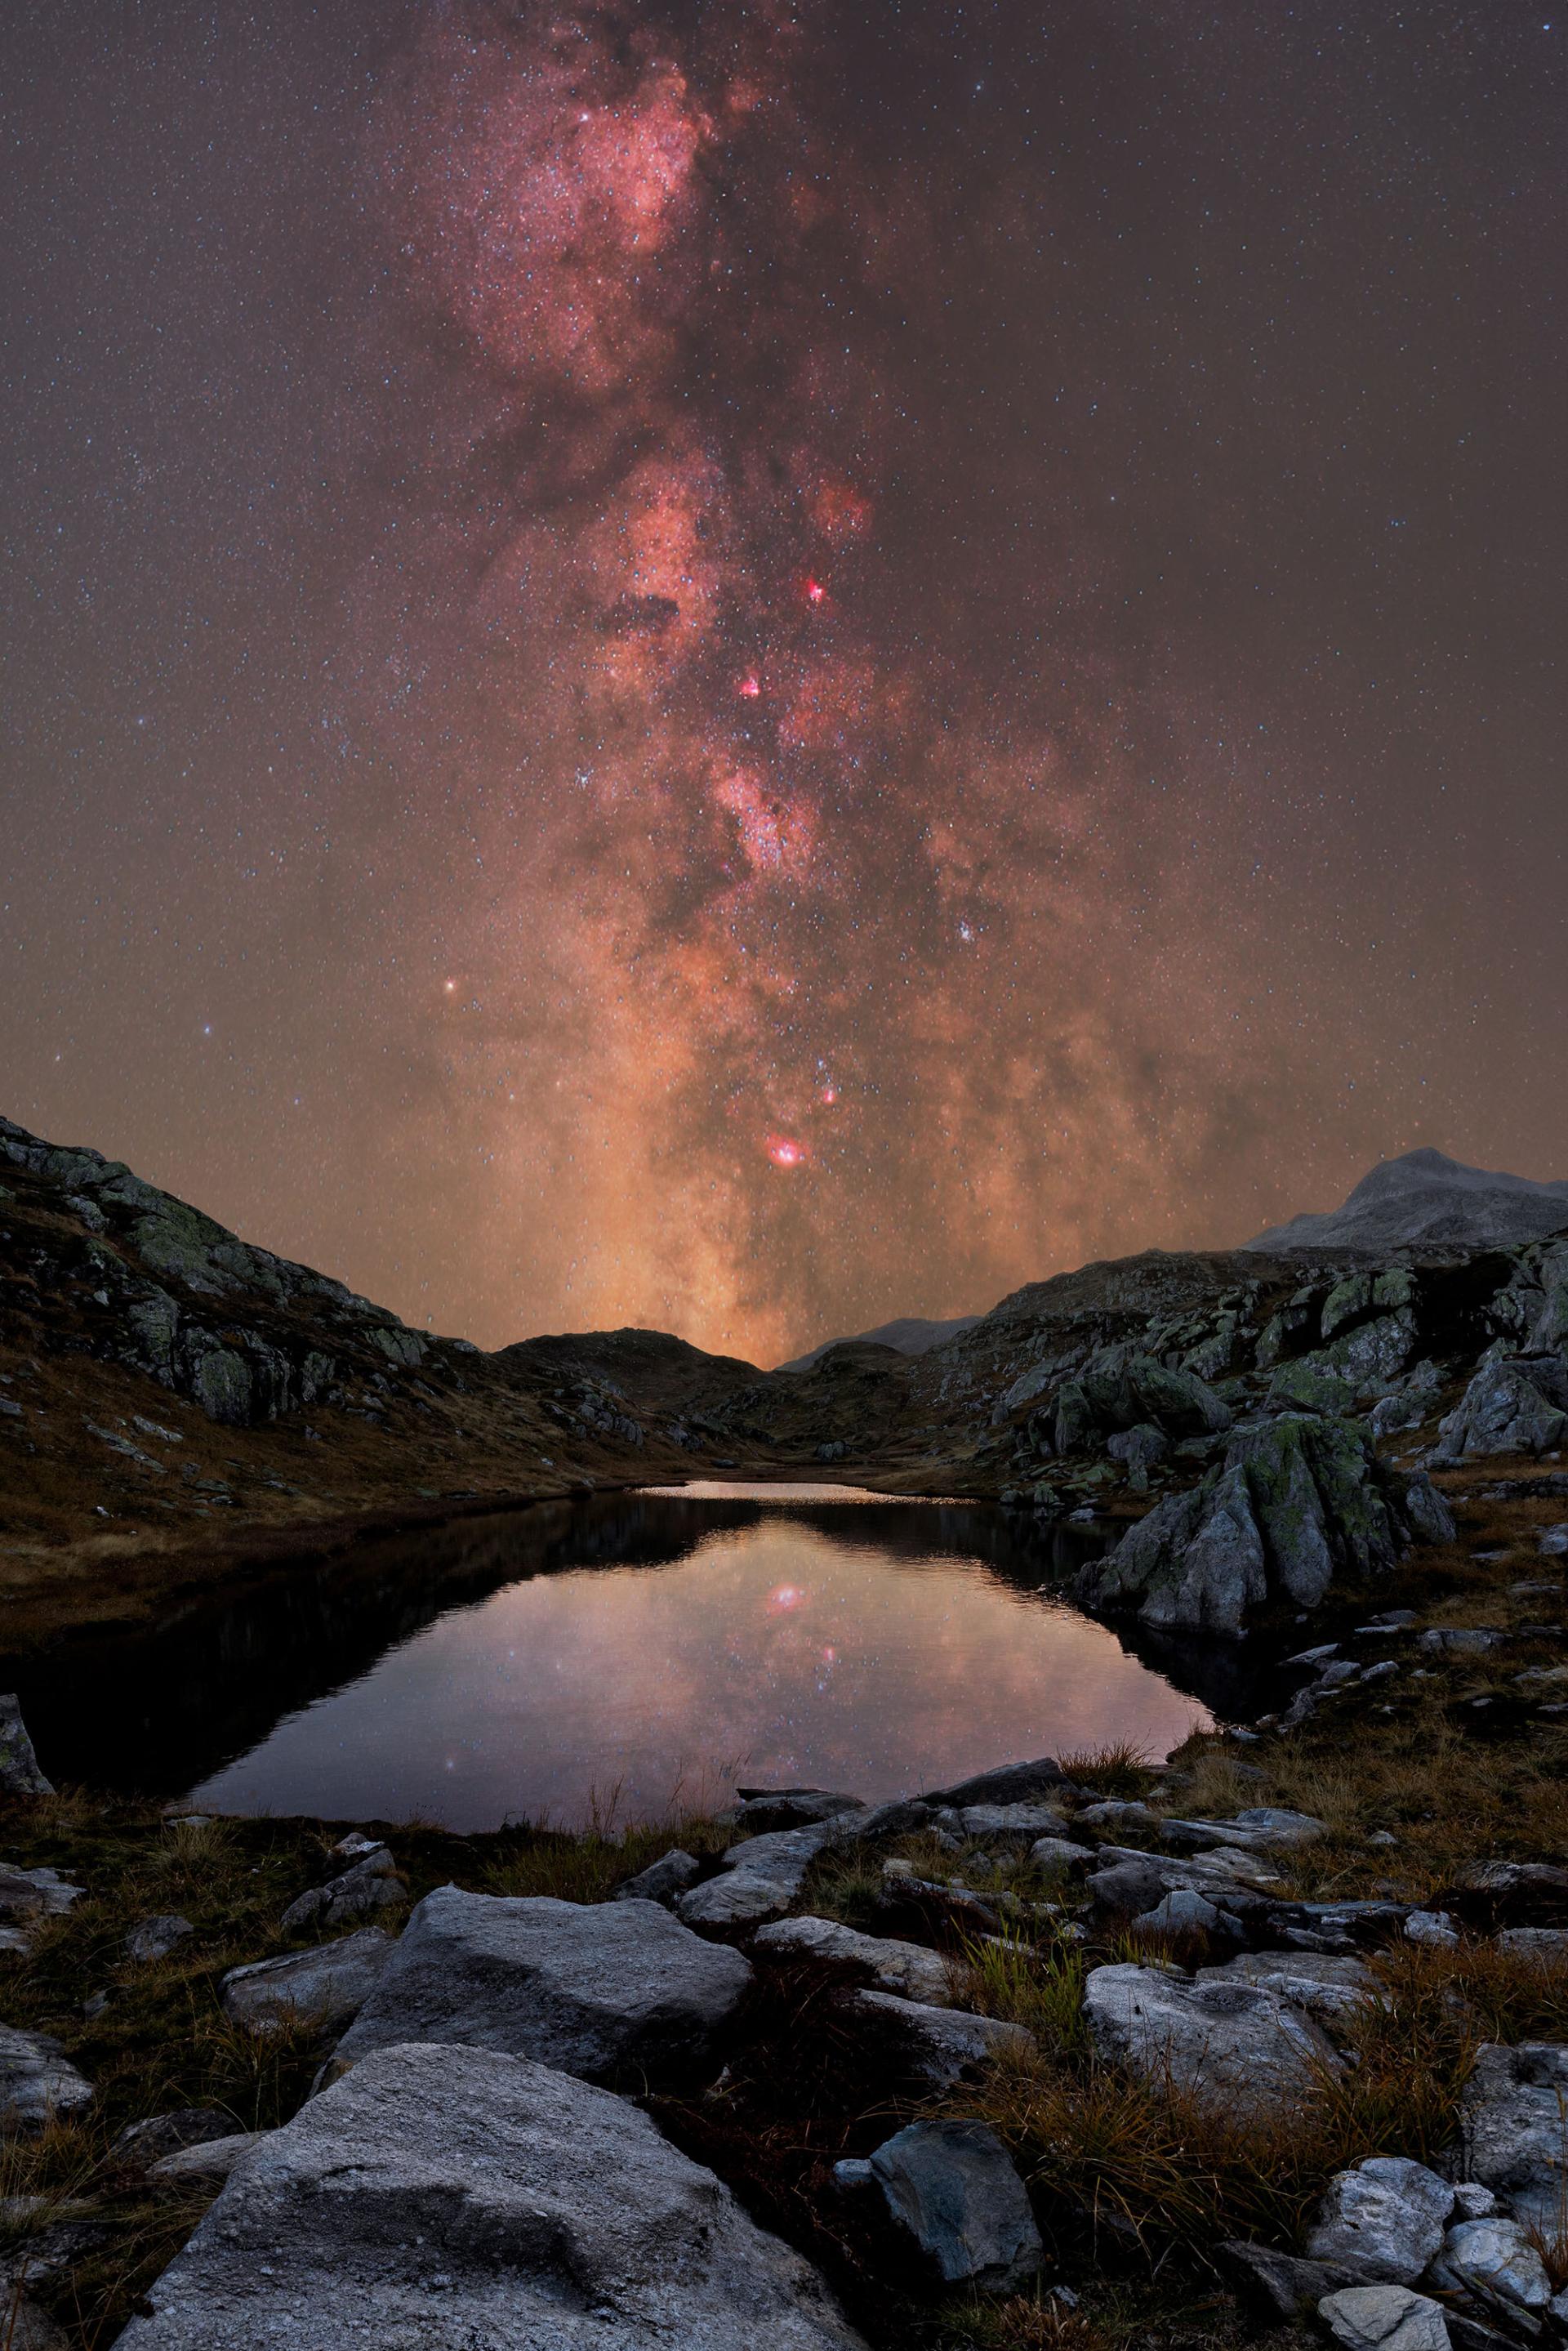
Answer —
814 592
785 1151
749 687
787 1596
829 1094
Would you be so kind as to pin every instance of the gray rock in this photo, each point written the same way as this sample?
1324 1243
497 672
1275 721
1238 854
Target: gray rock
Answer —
937 2047
1517 1404
794 1808
1010 1820
1059 1852
1383 2220
595 1989
1434 1927
29 2327
1260 1830
36 2084
900 1816
1427 1515
1472 2201
951 2190
758 1879
1514 2120
1286 2283
1011 1783
329 1983
211 2160
371 1884
159 2134
1554 1543
1384 2318
1118 1812
1494 2260
19 1772
907 1968
461 2200
33 1894
1232 2045
1331 1988
1547 1945
662 1880
154 1938
1185 1911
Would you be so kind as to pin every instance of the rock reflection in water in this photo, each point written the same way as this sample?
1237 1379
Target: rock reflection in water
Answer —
641 1648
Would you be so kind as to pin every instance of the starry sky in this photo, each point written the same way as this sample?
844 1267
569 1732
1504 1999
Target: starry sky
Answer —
747 667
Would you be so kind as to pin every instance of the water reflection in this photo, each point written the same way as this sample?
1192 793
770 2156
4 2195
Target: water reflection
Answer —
648 1645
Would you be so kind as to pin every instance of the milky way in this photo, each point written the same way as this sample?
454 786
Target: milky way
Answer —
916 648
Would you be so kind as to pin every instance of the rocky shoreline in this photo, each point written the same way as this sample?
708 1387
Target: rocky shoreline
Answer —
1272 2036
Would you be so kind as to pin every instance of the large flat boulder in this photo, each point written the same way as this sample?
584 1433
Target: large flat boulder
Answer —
461 2200
595 1988
1386 2219
1232 2045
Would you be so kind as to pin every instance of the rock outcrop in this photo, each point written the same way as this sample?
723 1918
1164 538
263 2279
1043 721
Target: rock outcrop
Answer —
1232 2046
1297 1501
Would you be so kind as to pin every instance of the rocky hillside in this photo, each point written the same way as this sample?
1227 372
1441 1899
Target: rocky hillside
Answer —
171 1398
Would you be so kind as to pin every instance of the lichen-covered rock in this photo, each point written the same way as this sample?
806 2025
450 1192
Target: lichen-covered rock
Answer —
461 2200
372 1884
1495 2263
1298 1499
758 1879
936 2047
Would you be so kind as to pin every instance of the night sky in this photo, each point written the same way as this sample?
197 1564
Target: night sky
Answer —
749 667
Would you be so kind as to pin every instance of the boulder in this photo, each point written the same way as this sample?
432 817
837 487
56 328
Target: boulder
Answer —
19 1772
329 1983
662 1880
154 1938
1383 2220
1059 1852
758 1879
460 2199
36 2084
1427 1515
1232 2045
1516 1404
595 1989
372 1884
936 2047
907 1968
1259 1830
1494 2262
952 2192
793 1808
1011 1783
33 1894
1514 2120
1384 2318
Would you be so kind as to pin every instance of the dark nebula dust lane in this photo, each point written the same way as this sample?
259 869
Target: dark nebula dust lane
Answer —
748 668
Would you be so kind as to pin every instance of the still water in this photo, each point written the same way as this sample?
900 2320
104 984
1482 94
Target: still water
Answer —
629 1653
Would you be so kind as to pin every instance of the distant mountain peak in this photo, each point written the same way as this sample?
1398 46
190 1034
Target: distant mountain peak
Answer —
1424 1198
